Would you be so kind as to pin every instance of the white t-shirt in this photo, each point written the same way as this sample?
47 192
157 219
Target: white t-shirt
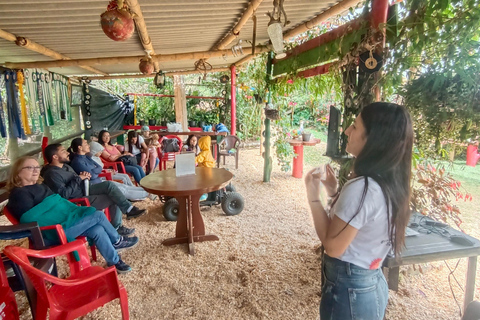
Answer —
135 150
371 244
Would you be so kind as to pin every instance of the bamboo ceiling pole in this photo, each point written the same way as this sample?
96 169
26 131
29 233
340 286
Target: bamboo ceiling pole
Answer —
232 34
142 29
123 60
173 73
245 59
333 11
33 46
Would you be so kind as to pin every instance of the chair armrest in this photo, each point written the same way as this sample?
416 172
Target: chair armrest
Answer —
107 175
81 201
60 232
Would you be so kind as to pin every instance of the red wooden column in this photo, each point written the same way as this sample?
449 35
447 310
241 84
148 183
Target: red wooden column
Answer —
233 100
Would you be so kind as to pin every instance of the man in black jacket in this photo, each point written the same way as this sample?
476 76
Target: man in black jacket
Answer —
62 179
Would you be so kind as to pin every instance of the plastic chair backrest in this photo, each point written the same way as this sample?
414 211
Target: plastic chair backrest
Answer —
44 145
74 296
230 142
18 281
8 303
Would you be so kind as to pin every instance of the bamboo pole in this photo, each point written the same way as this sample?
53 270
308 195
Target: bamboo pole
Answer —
124 60
173 73
336 9
142 29
232 34
33 46
245 59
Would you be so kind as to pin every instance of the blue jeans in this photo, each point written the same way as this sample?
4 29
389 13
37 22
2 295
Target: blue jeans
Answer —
97 228
136 171
351 292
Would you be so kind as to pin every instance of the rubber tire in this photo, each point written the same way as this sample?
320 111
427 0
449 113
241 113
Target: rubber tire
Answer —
232 203
230 188
170 209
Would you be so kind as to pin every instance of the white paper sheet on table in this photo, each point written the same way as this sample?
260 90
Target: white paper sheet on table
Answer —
185 164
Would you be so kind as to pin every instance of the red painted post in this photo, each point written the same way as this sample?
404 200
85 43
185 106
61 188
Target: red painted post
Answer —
233 93
297 169
472 155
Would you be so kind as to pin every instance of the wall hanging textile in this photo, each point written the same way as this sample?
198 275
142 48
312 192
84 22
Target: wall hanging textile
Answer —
3 130
14 123
23 104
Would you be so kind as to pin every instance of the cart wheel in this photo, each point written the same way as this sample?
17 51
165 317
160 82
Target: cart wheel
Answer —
232 203
230 188
170 210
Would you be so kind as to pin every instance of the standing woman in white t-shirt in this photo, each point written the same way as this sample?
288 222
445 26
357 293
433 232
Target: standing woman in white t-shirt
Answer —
368 217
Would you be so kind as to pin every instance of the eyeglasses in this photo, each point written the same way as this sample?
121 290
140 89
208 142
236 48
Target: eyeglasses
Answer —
30 168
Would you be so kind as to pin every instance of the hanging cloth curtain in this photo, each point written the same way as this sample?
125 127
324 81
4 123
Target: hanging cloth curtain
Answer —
33 105
3 130
23 104
60 85
44 98
14 122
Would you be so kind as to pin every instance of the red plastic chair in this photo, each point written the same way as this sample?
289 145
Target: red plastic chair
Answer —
7 298
75 296
168 156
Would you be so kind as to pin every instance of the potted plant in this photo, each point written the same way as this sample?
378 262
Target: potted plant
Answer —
142 122
152 122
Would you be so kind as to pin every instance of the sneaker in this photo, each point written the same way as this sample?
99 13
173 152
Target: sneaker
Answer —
135 213
204 197
152 196
125 243
124 231
122 267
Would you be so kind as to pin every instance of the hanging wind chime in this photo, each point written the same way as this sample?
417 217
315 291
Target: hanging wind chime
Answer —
117 22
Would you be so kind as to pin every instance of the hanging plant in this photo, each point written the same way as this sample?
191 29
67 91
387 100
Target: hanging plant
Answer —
117 22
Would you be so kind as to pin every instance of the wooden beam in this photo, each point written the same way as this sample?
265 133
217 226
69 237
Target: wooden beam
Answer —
33 46
244 59
333 11
124 60
232 34
142 29
139 76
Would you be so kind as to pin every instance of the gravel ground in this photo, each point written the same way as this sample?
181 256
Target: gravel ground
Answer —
265 266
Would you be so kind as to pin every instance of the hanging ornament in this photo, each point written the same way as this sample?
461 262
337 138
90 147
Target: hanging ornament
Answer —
146 65
117 22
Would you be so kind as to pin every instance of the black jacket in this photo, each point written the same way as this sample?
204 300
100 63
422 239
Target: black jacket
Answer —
64 181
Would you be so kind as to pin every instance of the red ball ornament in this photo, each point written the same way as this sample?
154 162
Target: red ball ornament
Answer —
146 66
117 24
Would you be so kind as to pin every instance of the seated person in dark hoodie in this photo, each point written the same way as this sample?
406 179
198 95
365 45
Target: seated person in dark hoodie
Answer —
33 202
62 179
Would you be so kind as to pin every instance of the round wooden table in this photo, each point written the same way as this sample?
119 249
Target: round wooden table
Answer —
187 190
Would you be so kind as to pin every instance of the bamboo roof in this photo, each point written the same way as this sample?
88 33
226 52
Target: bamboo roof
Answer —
72 29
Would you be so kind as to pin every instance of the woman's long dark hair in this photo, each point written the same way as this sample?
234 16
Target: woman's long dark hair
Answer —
74 145
387 159
190 138
100 138
133 134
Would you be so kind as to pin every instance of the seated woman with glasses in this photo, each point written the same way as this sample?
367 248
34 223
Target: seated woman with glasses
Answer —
30 201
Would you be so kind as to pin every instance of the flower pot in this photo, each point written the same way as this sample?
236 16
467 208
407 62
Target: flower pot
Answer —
117 24
201 124
192 123
152 122
164 123
306 136
142 122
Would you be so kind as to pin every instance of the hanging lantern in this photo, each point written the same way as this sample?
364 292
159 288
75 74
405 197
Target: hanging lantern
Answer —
117 22
146 65
159 80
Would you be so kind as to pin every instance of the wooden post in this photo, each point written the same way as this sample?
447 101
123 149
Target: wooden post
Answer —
233 102
470 287
180 102
267 159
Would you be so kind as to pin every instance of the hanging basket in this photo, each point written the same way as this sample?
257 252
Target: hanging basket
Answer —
272 114
117 24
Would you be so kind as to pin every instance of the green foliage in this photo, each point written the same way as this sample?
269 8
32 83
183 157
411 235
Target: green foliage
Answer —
283 149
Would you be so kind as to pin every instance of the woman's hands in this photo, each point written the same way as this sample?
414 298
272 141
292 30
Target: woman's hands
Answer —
318 178
329 181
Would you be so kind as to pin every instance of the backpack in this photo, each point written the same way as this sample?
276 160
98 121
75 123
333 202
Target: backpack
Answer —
170 145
